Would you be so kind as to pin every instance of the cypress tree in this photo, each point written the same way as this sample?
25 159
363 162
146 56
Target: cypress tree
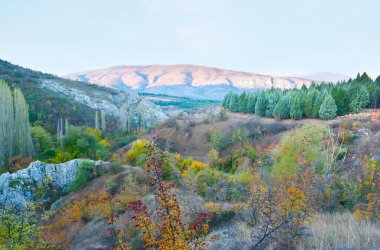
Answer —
328 108
261 104
309 103
243 102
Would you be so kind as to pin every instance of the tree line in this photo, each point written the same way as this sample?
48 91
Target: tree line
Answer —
324 101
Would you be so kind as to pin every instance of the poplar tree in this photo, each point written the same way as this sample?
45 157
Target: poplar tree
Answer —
96 120
103 120
6 122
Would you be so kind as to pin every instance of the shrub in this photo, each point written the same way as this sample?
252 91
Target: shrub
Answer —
137 154
328 108
85 173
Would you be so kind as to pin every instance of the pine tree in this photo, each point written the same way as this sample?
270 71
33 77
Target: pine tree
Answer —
251 104
340 96
309 103
317 104
261 104
234 103
226 100
296 110
328 108
282 109
359 99
243 102
272 100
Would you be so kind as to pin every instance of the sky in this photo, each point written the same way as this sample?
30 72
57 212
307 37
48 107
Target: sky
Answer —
277 37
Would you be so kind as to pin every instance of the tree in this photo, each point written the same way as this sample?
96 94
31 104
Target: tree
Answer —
272 100
296 109
23 140
6 123
309 103
216 140
96 120
103 121
317 104
328 108
234 103
341 99
42 140
14 124
243 103
359 98
251 104
226 100
282 109
261 104
168 230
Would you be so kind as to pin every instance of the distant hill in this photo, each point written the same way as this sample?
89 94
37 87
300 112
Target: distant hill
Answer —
184 80
50 97
326 77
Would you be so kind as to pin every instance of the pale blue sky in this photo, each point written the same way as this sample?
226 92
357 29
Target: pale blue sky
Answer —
279 37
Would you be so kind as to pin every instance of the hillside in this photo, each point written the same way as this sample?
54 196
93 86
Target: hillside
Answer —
184 80
50 97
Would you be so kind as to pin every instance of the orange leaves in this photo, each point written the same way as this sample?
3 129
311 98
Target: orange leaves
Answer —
370 186
169 231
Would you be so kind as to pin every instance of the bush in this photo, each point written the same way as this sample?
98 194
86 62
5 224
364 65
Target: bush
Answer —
85 173
136 156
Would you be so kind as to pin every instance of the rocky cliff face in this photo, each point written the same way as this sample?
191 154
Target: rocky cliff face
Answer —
176 79
39 181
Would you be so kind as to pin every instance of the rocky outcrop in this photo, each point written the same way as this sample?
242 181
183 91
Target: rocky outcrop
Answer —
109 101
39 181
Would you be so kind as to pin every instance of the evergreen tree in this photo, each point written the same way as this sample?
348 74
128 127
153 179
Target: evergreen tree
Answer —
251 104
243 103
261 104
317 104
359 99
328 108
340 96
234 103
309 103
282 110
226 100
296 110
272 100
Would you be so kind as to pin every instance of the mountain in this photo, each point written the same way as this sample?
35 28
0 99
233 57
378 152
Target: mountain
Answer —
51 98
325 77
184 80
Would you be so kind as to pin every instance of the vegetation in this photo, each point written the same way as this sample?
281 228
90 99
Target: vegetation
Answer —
325 100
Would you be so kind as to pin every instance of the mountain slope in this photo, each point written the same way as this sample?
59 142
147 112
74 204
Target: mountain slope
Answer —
50 97
184 80
325 77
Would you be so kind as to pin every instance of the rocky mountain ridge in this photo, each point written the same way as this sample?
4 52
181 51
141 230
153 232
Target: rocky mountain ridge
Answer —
184 80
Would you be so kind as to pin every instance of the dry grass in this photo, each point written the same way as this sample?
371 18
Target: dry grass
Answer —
342 231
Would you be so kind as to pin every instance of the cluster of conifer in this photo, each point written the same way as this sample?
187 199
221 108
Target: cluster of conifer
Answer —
325 100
